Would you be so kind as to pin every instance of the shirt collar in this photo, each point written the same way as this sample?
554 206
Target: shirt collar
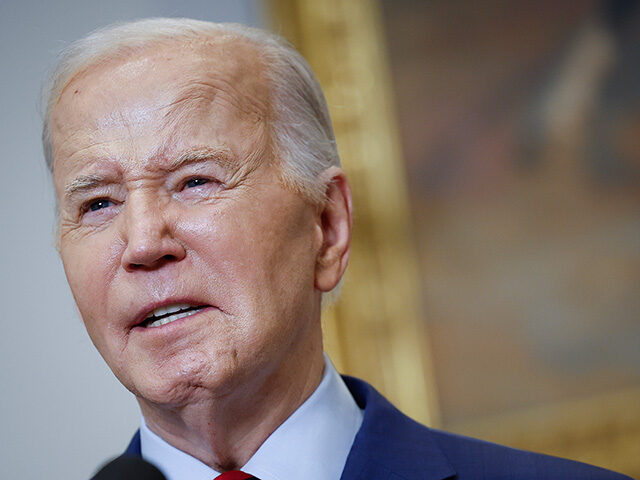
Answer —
313 443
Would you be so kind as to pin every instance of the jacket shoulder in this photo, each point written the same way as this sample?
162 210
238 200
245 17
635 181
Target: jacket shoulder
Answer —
391 445
474 458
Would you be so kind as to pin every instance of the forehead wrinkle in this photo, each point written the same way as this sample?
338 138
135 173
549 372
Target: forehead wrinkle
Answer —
234 65
79 144
198 98
66 139
94 145
199 93
190 98
251 105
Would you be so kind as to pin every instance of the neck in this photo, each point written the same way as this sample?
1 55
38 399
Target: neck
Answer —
225 432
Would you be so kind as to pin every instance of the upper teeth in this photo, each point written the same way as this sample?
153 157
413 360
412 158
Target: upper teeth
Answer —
169 313
168 309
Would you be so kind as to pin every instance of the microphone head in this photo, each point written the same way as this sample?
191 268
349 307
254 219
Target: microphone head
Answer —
129 468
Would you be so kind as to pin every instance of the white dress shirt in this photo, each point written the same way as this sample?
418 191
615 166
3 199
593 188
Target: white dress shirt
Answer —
313 443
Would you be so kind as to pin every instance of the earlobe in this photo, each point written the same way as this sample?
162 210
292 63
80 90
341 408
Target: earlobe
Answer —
336 223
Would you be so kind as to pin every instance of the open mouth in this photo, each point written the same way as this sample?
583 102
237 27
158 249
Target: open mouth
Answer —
170 313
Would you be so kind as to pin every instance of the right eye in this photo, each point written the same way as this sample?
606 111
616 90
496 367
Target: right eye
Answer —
99 204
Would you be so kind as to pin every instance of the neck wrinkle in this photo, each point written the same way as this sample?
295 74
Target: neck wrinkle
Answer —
225 432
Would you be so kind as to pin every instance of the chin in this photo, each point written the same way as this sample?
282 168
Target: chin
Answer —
179 385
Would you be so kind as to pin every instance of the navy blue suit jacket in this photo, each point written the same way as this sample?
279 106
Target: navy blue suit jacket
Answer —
391 446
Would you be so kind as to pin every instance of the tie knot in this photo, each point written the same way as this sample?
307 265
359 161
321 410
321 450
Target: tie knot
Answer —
235 475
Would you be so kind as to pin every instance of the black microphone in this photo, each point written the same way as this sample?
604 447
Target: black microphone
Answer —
129 468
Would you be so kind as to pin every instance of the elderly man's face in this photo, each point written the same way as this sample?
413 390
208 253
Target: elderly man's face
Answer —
169 202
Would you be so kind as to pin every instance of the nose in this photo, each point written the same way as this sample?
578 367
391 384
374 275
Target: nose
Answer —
149 235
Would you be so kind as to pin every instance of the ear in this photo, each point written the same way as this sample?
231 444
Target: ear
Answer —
336 223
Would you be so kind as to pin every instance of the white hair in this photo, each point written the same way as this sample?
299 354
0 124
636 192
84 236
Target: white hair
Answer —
301 134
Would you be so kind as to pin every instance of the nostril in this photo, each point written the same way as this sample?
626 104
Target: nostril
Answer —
155 264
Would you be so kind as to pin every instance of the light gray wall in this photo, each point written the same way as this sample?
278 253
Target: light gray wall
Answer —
62 411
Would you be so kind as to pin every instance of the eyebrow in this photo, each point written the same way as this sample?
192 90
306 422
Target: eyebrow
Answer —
220 155
83 183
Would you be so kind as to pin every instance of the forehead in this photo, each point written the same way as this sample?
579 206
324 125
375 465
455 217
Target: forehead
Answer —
163 83
228 56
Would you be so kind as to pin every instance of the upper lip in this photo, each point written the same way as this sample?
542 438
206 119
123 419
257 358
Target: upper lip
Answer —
147 310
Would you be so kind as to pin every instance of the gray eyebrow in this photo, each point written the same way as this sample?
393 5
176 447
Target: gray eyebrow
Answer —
221 155
82 183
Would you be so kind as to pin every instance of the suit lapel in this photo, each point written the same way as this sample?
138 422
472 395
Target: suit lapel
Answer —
134 449
389 444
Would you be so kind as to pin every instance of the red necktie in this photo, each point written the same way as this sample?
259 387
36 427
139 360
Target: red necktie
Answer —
235 475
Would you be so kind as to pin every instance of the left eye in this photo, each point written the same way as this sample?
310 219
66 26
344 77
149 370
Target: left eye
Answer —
195 182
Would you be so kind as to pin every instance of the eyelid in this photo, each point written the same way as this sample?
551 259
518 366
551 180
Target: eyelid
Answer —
209 168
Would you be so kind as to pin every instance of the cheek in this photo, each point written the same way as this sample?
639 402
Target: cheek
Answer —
89 266
257 258
225 248
256 246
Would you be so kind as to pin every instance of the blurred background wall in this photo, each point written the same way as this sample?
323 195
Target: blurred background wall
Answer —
494 152
520 125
